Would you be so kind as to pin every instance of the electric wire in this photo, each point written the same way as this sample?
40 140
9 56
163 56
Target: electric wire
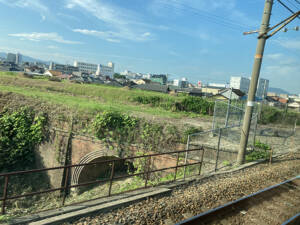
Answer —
285 6
208 16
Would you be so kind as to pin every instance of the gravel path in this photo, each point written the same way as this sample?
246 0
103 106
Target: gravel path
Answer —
200 196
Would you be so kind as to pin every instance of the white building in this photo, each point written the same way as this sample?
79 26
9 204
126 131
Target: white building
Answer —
18 58
97 69
262 88
183 83
86 67
240 83
106 70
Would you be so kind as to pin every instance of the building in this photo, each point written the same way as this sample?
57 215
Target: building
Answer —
86 67
243 84
234 94
217 85
18 58
106 71
98 69
240 83
183 83
53 73
66 69
262 88
11 57
162 79
208 90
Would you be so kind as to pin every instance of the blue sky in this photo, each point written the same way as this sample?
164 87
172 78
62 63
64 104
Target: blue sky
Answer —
200 40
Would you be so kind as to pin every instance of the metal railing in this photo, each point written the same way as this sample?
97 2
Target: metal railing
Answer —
67 186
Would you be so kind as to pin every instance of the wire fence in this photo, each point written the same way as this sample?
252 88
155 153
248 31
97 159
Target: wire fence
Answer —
222 142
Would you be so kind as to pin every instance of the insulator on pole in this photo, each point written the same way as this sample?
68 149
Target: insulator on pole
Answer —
296 28
285 30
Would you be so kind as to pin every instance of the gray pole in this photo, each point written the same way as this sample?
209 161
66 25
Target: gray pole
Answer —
254 79
228 108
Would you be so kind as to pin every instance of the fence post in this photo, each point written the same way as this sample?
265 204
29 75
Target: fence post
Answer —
5 194
218 149
177 161
228 109
201 162
112 174
255 129
66 185
148 171
214 117
186 155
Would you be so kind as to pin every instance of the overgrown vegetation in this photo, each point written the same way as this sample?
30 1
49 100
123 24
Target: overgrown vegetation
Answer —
20 132
90 98
183 104
121 131
261 151
274 115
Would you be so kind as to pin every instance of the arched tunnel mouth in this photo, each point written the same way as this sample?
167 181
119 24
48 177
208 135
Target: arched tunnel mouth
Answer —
99 170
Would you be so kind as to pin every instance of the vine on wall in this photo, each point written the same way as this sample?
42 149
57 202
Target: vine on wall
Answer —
20 132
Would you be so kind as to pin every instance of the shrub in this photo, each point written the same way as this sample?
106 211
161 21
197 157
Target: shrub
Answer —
20 132
56 79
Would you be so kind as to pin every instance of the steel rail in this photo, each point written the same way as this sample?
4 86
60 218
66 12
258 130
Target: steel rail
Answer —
204 217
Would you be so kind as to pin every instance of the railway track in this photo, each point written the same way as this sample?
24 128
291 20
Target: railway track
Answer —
278 204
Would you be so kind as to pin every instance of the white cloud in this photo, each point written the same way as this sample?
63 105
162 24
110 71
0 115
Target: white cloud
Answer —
35 5
120 23
112 36
32 4
282 70
179 6
43 37
289 43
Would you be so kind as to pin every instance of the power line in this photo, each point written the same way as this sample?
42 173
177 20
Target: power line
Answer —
209 16
285 6
292 3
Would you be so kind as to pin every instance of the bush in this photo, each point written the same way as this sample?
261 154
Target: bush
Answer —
261 151
55 79
20 132
184 104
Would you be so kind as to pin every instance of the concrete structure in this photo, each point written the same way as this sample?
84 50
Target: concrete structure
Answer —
240 83
211 90
183 83
161 78
67 69
98 69
18 58
217 85
86 67
106 71
262 88
243 83
11 57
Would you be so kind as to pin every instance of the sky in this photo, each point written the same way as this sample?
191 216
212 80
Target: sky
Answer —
200 40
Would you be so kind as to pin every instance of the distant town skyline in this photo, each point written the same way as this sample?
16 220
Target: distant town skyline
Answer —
199 40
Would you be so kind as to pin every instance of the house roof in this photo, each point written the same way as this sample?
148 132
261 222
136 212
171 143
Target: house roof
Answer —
236 91
55 72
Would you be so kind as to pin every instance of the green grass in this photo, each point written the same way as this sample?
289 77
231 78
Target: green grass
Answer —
89 98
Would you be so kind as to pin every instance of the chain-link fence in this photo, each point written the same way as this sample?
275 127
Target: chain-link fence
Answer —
222 143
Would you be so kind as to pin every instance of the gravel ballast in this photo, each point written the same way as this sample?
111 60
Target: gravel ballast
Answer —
200 196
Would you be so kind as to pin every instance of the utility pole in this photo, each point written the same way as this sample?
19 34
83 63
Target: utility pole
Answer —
254 79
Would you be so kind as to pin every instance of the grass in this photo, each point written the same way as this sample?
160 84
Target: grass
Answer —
85 97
